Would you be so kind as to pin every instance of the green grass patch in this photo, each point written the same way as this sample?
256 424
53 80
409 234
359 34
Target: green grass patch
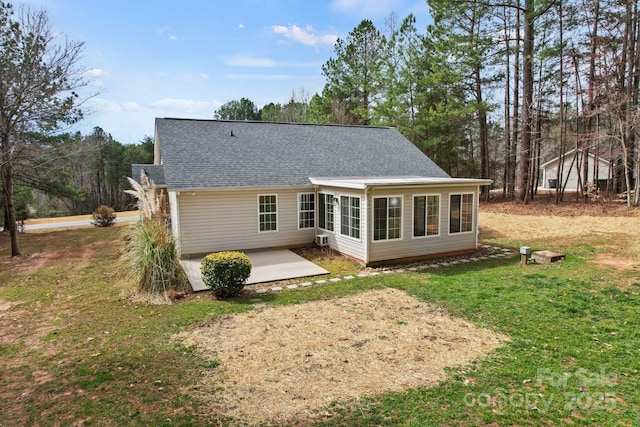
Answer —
74 350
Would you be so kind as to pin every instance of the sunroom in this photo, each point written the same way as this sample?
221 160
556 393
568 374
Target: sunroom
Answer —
386 219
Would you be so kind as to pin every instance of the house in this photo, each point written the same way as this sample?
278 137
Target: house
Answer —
574 163
364 191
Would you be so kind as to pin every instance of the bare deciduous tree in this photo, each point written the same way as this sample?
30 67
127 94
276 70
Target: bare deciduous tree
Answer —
40 72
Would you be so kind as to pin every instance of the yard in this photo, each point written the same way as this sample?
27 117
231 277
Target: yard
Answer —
484 343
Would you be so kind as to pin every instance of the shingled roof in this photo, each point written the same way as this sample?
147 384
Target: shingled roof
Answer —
226 154
154 172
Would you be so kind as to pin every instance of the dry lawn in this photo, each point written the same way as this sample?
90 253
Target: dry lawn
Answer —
286 363
565 224
544 220
526 227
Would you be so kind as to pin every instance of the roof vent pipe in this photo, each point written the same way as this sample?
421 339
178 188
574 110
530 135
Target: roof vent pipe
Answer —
231 134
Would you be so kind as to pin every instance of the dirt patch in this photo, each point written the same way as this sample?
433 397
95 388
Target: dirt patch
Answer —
31 263
617 262
288 363
6 305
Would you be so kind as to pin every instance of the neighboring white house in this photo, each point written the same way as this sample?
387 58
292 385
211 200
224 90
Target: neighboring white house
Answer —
574 164
364 191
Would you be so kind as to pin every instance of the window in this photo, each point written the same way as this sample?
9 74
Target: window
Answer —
387 218
426 215
306 210
325 211
268 212
350 216
461 213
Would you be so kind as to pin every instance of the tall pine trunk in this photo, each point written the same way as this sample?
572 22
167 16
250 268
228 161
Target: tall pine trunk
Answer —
524 147
515 125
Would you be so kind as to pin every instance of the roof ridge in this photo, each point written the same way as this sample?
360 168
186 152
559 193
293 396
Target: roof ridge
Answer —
279 123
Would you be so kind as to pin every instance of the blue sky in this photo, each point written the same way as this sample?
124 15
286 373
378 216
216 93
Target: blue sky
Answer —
155 58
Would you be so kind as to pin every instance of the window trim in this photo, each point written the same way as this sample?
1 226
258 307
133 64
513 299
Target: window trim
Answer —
426 213
330 203
260 213
473 213
351 218
373 221
313 211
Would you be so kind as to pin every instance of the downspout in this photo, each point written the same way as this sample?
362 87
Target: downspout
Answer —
157 153
367 225
174 214
316 219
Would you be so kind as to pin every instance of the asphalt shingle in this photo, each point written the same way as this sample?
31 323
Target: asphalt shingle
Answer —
224 154
154 172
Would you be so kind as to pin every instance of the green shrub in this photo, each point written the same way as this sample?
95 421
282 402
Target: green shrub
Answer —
104 216
150 258
225 273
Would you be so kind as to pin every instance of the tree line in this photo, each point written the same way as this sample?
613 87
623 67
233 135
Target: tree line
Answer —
491 89
85 172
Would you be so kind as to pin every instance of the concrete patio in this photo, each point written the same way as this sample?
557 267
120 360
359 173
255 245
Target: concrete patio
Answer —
267 266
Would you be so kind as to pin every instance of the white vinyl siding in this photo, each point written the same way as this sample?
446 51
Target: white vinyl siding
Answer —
215 221
407 247
267 212
426 215
345 244
212 221
306 210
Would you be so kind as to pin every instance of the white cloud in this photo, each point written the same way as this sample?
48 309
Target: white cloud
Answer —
106 105
265 77
162 31
247 61
99 72
241 25
131 106
102 105
184 106
306 35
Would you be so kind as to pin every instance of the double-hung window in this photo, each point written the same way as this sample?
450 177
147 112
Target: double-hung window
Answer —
268 212
426 215
350 216
387 218
306 210
460 213
325 211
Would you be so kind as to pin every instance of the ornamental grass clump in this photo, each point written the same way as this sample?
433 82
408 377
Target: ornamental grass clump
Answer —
150 255
225 273
151 259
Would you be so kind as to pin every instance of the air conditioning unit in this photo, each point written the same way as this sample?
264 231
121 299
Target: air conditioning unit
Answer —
322 240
